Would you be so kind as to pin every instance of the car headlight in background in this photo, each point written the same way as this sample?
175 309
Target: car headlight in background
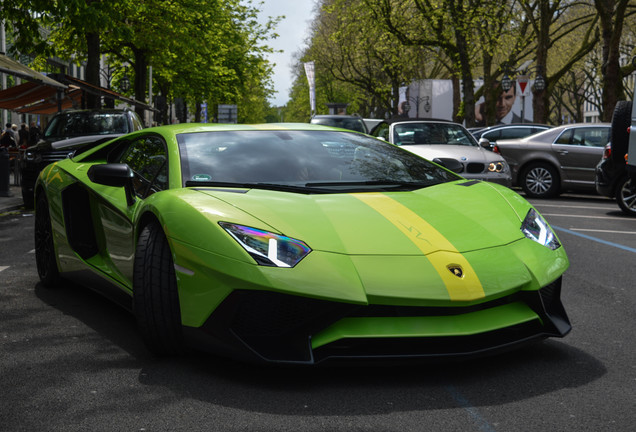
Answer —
267 248
497 167
535 228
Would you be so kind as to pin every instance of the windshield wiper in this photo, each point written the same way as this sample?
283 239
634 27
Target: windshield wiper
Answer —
267 186
375 184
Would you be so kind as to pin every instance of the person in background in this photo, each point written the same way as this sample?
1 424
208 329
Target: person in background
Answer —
23 133
34 133
7 140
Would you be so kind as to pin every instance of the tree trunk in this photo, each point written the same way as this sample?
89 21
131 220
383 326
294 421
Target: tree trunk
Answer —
141 66
92 69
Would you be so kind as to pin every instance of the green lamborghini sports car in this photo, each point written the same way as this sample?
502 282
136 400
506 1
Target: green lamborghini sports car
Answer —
298 243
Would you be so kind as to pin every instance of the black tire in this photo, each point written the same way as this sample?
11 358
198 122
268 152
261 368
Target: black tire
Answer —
45 259
621 121
155 295
626 196
540 180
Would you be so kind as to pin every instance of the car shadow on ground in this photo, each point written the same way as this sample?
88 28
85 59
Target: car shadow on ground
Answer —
355 389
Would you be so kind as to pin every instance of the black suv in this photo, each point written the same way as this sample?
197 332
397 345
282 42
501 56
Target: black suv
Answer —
66 132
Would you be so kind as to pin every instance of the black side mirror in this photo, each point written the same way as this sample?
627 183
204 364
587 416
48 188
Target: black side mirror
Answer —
115 175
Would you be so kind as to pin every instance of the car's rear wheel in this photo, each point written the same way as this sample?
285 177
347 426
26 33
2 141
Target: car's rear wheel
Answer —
621 121
45 259
540 180
626 196
155 295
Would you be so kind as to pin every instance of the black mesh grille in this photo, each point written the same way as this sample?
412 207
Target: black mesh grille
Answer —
475 167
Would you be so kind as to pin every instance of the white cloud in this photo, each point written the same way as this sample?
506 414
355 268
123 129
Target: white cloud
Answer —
293 30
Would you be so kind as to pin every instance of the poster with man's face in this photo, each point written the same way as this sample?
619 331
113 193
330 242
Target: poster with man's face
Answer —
510 107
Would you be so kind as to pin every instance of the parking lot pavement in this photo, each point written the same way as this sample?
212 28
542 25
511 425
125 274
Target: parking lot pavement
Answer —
13 202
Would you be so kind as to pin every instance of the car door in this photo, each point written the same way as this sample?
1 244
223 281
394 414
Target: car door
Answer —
578 150
147 157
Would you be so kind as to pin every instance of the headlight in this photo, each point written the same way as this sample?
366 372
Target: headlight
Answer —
267 248
497 167
535 228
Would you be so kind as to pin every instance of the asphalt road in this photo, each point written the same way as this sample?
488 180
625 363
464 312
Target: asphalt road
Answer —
72 361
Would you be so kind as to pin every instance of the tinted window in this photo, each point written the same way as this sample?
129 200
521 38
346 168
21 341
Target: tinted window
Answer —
516 132
146 156
300 158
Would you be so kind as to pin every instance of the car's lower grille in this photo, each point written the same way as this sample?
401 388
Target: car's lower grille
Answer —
475 167
278 327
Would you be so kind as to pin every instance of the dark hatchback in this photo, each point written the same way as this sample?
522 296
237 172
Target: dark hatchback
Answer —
66 132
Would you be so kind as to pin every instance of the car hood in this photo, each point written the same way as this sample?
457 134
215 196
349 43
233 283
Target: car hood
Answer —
460 216
459 152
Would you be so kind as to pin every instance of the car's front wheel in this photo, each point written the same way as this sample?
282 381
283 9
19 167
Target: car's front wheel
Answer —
155 296
540 180
45 259
626 196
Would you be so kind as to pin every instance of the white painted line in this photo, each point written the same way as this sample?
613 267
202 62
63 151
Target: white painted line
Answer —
31 251
614 207
2 268
604 231
588 217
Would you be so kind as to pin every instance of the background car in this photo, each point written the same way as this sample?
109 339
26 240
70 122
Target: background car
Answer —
351 122
446 143
68 131
298 244
558 159
506 131
612 177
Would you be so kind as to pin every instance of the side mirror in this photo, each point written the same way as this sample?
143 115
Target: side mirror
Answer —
485 143
449 163
115 175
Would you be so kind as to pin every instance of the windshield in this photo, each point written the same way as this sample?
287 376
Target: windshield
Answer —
77 124
432 133
325 160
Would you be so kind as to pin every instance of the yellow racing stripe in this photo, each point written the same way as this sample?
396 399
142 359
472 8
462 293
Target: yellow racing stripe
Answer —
441 253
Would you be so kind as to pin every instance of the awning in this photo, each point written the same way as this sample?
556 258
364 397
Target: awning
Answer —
34 98
101 91
10 66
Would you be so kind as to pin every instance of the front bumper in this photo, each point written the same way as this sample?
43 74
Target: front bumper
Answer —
261 326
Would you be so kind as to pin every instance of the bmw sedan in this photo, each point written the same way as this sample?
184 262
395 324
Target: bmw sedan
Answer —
448 144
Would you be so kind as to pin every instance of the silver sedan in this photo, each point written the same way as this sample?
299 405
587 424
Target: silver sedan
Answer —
448 144
559 159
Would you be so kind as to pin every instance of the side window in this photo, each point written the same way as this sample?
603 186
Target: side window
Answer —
516 132
565 138
492 135
596 137
148 159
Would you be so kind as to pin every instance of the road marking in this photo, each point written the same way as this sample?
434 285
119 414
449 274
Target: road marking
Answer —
3 268
603 231
587 217
577 207
481 422
616 245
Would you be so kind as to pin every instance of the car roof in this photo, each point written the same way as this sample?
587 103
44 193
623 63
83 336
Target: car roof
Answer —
394 120
216 127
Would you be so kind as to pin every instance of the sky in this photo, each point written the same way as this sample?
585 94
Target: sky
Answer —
293 32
